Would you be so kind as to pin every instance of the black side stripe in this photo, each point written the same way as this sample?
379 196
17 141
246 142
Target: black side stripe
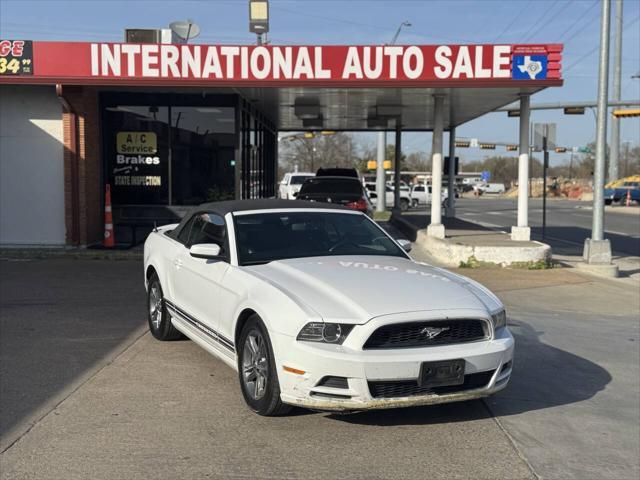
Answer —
211 333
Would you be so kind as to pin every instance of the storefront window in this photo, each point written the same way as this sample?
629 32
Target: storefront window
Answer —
202 154
175 152
137 154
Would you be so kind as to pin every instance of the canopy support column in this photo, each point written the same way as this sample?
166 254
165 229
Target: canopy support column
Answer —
451 197
381 181
397 166
522 231
435 228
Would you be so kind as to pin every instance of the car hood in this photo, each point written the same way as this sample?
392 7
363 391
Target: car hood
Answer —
355 289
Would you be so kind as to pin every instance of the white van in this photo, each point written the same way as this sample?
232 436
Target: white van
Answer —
496 188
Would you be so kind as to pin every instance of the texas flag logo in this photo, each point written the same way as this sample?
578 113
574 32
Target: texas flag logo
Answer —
529 67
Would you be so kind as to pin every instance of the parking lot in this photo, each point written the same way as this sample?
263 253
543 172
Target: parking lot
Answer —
87 393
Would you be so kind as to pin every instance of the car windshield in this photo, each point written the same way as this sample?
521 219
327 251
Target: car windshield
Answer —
265 237
332 185
299 179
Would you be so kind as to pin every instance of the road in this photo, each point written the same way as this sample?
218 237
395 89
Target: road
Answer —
87 393
568 222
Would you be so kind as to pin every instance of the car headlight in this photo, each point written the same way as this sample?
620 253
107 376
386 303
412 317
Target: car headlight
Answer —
324 332
499 319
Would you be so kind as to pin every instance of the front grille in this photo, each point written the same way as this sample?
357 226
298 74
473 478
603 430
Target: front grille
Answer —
410 388
416 334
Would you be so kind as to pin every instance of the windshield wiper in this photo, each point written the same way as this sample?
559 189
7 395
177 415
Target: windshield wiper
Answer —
256 262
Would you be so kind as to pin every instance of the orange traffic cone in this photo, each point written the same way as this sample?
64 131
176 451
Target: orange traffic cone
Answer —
109 237
628 197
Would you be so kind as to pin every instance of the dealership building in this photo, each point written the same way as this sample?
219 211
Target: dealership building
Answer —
169 126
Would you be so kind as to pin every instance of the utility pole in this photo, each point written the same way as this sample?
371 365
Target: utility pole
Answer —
617 74
597 249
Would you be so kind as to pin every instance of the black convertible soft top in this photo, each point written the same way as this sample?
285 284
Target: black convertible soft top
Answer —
222 208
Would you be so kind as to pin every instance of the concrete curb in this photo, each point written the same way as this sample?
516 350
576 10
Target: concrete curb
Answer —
610 209
68 253
453 254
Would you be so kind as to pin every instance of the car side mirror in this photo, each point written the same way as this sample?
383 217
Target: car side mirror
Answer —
404 244
208 251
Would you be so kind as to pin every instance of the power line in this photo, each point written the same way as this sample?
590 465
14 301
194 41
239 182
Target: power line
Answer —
506 29
590 52
579 19
366 25
526 34
555 16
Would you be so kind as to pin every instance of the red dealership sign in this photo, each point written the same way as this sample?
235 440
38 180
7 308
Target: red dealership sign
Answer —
415 65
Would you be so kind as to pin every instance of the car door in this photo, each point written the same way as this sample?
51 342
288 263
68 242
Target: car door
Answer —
197 280
284 186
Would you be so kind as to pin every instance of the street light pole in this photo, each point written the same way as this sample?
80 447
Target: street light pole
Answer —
597 249
617 74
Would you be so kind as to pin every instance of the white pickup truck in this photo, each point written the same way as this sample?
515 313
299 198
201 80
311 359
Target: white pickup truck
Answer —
405 197
421 195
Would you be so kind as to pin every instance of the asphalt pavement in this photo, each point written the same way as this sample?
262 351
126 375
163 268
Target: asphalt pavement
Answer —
568 222
87 394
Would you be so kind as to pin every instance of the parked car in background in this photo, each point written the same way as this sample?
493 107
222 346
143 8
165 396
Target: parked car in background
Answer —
291 183
337 172
619 194
345 191
496 188
405 197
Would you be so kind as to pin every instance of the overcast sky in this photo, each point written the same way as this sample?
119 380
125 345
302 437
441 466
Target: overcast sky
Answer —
572 22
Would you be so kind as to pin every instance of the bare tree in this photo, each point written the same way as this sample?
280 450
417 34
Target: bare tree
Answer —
309 154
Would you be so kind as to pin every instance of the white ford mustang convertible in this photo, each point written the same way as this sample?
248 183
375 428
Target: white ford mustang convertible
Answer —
315 305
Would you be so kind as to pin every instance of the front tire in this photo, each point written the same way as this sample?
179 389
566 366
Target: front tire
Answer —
159 319
404 204
257 370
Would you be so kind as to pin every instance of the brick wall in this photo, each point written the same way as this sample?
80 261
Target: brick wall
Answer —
84 101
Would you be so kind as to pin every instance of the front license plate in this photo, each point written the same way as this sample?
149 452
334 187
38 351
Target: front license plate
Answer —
441 374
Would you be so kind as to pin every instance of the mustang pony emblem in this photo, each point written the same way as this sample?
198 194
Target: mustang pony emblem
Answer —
433 332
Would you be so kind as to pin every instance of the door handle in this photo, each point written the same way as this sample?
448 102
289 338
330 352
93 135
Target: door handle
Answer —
177 262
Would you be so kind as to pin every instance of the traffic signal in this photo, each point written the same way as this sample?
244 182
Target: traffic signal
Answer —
372 165
561 149
445 166
574 110
462 144
512 148
488 146
627 113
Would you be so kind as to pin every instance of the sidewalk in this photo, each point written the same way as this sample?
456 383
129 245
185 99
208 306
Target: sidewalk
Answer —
471 244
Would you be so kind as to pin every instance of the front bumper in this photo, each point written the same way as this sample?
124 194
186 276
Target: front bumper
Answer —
360 367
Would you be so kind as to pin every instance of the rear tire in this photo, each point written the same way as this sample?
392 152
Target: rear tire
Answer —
159 319
257 370
404 204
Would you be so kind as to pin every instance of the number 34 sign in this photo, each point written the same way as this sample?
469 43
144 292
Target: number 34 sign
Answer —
16 57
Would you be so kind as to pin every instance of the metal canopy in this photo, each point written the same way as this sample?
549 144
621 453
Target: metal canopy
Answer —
349 109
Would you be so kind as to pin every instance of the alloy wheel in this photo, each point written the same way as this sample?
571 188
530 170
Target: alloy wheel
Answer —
155 306
255 365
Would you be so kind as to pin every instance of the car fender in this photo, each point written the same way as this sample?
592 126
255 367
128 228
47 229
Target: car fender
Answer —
280 311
